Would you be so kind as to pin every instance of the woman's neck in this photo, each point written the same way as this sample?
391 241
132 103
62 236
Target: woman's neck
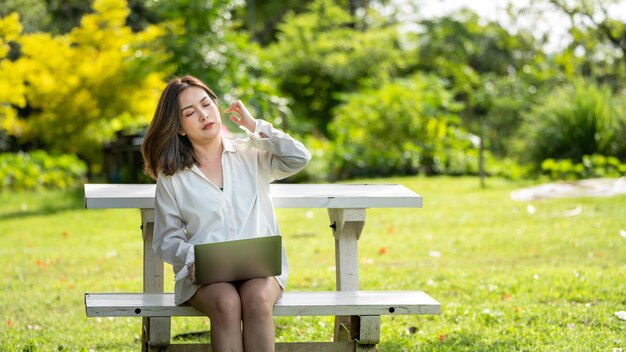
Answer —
210 152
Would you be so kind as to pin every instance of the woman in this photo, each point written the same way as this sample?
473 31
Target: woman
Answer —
210 188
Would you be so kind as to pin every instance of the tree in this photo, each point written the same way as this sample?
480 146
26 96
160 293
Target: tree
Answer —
33 13
262 18
206 41
319 57
12 87
487 67
403 127
82 87
592 24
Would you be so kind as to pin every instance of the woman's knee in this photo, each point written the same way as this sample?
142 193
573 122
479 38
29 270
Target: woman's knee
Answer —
219 302
226 305
258 300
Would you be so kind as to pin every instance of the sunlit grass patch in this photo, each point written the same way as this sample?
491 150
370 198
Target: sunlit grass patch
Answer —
509 275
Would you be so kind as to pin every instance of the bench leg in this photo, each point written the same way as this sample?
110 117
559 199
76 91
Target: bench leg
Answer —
347 225
156 330
366 329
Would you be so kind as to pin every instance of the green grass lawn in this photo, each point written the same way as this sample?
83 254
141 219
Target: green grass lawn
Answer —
508 279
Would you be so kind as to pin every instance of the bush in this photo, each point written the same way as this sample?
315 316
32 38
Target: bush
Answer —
403 127
592 166
320 168
39 170
576 120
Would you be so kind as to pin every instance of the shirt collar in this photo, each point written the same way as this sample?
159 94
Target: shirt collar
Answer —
228 145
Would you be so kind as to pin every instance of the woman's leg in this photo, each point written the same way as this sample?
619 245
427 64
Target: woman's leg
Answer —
258 297
221 302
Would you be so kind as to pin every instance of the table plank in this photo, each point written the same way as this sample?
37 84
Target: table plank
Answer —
346 196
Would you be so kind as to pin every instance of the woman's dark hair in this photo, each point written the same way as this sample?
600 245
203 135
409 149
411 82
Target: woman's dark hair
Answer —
164 149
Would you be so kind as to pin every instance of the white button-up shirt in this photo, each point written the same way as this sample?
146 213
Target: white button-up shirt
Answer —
190 209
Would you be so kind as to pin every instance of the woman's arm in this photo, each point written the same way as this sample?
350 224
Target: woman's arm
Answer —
170 239
286 155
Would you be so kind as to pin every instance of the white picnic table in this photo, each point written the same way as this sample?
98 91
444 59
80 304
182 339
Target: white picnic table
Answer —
346 204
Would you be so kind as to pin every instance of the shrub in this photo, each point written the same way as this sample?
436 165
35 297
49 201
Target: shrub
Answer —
403 127
595 165
38 170
576 120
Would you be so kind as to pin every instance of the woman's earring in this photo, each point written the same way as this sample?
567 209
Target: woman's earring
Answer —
181 132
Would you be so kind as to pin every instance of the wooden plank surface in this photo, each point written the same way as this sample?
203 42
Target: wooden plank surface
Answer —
345 196
322 303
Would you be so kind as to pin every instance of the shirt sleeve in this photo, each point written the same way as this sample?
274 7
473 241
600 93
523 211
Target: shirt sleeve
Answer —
285 155
170 239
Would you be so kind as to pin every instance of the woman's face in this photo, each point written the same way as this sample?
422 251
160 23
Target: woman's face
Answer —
200 118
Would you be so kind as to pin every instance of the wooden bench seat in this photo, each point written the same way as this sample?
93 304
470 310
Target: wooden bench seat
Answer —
360 333
322 303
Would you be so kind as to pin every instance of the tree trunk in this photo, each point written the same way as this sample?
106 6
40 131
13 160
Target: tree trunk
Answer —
481 161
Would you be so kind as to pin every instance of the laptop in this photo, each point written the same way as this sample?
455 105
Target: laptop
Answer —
236 260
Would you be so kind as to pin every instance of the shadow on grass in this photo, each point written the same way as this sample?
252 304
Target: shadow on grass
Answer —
457 341
24 205
192 336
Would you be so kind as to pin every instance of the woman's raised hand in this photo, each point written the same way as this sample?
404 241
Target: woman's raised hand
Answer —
241 116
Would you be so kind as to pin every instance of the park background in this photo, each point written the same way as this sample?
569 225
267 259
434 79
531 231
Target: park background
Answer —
462 109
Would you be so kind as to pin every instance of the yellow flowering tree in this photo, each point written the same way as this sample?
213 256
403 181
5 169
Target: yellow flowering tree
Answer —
71 93
12 87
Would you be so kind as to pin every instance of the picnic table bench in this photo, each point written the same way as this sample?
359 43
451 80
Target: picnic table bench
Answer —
357 313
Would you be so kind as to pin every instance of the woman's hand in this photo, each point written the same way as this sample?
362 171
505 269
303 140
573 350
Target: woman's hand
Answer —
241 116
192 272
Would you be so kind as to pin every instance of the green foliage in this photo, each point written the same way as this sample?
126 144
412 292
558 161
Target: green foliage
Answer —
262 17
319 56
575 120
509 168
322 166
33 13
206 41
597 49
39 170
495 73
401 128
591 166
83 86
462 45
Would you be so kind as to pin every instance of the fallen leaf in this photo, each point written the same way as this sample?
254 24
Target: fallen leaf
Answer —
506 297
442 337
411 330
382 250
